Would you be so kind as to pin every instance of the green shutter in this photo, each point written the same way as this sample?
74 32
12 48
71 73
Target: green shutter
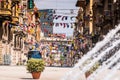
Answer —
30 4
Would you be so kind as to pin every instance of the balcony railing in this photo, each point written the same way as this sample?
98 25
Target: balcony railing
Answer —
5 8
5 11
15 19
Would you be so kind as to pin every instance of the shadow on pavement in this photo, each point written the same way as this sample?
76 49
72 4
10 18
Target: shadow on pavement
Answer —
27 78
61 67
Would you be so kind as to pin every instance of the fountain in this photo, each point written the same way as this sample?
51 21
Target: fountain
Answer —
103 57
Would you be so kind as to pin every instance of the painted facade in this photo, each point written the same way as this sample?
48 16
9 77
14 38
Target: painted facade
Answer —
18 26
97 17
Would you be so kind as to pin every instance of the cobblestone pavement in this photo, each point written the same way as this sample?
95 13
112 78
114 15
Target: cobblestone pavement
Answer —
50 73
20 73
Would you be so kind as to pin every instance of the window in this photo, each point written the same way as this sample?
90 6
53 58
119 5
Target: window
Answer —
2 3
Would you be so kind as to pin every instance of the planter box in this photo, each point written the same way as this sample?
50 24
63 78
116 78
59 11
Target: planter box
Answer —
36 75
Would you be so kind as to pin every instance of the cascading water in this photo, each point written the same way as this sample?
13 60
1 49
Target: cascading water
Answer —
105 65
112 49
110 46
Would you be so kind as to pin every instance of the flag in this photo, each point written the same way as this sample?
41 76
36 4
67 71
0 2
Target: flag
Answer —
67 25
61 24
57 24
63 18
64 25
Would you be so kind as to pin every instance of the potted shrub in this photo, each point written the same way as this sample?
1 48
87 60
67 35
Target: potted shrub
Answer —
35 66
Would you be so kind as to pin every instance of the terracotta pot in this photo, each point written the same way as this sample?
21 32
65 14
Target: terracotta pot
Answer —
36 75
87 74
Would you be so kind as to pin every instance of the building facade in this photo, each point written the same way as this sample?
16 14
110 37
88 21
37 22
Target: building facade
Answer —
97 17
5 19
94 20
18 24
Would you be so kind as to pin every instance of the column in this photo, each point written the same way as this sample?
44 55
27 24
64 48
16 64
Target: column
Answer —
91 18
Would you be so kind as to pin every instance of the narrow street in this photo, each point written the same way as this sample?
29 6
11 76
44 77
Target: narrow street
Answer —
40 35
20 73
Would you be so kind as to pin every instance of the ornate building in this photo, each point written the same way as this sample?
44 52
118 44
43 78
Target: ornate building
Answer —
5 18
9 21
18 23
85 16
98 17
106 15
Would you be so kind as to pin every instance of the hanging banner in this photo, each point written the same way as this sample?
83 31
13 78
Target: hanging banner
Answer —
46 19
68 25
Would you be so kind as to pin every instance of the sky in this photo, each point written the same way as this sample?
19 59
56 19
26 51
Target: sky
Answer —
61 7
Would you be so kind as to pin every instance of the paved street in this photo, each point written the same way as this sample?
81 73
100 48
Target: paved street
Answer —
50 73
20 73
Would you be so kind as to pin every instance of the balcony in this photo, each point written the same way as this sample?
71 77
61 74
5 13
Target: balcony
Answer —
97 3
81 3
15 19
5 12
17 48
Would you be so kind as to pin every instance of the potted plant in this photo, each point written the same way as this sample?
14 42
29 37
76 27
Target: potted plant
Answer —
35 66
